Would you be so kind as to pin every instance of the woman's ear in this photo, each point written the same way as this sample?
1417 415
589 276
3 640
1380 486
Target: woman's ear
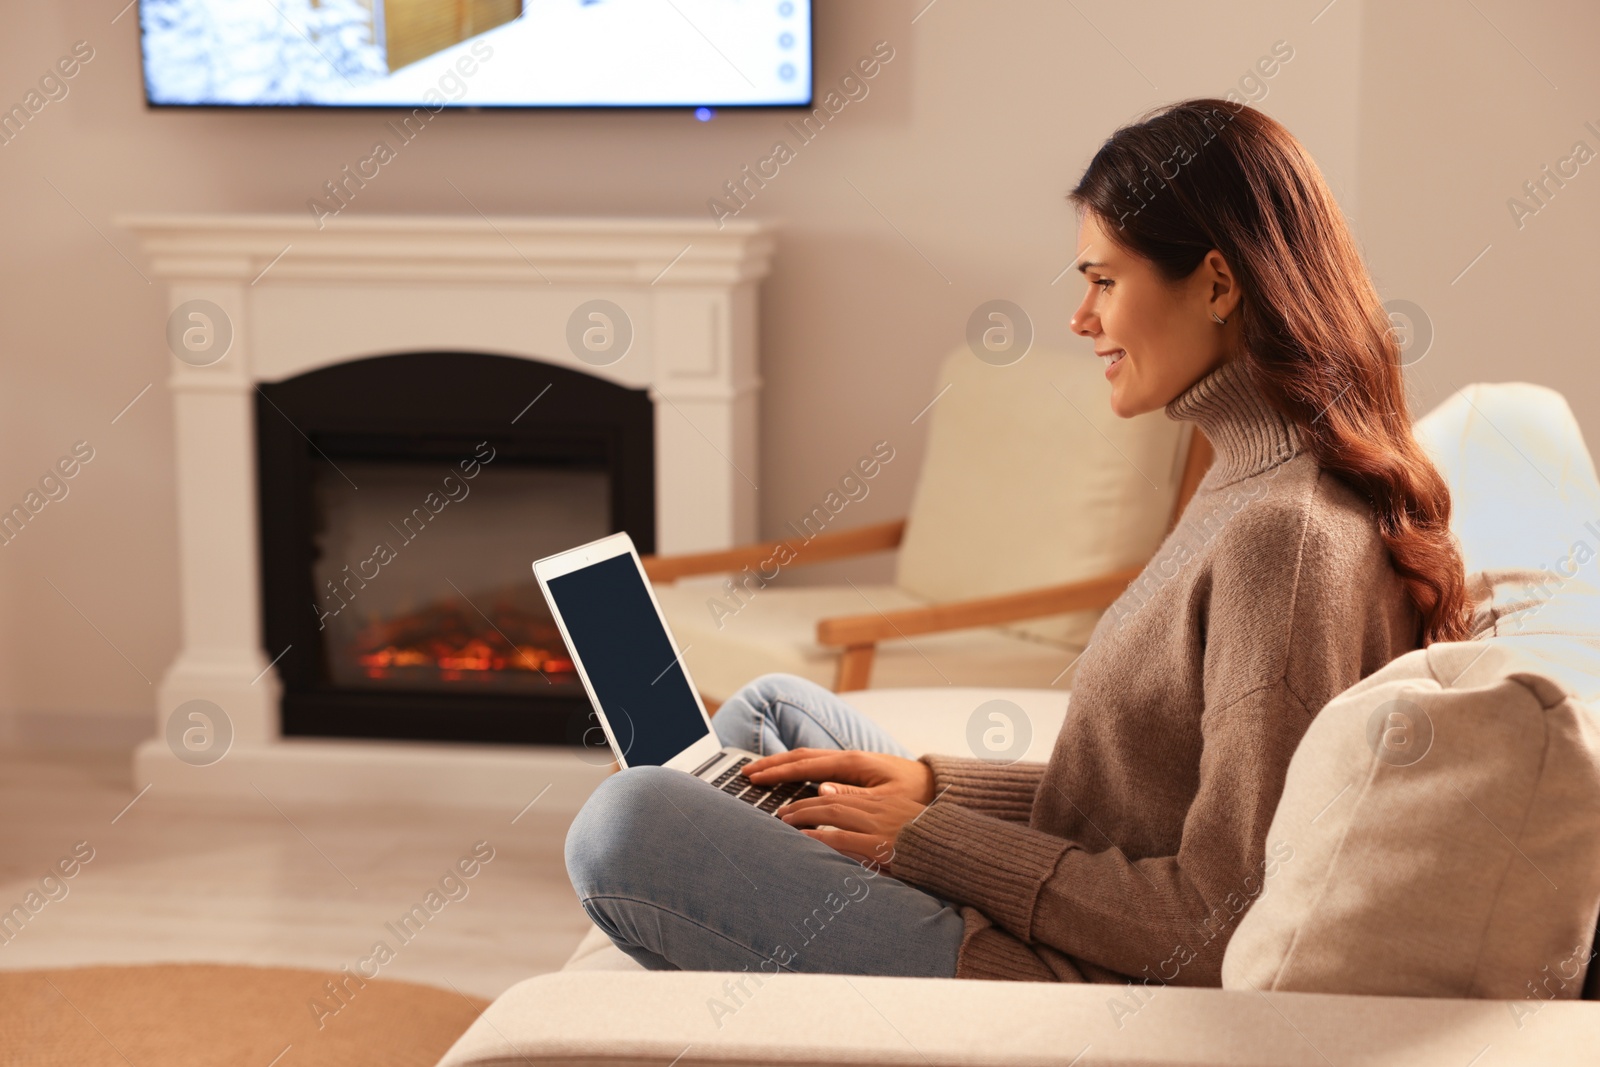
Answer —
1223 286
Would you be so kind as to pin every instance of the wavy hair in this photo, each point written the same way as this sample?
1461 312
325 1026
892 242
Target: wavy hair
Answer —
1317 342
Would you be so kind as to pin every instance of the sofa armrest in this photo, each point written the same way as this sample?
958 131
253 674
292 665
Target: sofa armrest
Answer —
690 1018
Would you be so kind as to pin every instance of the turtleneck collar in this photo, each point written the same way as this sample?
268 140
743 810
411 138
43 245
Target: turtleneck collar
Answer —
1247 433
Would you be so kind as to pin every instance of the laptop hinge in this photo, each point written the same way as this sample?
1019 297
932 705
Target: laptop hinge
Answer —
706 766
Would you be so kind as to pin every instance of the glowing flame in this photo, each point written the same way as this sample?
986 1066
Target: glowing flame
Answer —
453 642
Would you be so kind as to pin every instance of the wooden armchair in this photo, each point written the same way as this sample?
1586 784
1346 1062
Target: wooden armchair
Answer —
857 636
1034 508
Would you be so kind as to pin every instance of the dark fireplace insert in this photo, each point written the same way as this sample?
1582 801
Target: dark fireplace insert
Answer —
403 500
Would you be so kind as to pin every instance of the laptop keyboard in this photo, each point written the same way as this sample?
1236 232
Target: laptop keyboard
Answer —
763 797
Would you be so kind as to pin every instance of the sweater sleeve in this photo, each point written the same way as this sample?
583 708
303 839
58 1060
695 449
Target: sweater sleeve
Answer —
989 787
1169 915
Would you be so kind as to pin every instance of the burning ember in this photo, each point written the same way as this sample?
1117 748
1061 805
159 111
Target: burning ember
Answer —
450 641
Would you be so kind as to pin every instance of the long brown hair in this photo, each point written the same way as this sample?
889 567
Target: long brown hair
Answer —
1318 344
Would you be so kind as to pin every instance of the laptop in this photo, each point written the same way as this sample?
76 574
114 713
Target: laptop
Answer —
634 673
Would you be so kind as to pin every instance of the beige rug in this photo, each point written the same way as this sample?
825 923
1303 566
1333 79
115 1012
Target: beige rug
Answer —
216 1015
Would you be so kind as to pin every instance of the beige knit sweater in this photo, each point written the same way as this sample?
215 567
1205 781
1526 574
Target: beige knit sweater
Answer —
1134 851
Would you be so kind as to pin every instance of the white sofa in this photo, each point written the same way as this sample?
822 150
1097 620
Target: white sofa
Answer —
1526 495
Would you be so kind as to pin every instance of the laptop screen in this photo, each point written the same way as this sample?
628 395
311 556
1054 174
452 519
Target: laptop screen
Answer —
625 652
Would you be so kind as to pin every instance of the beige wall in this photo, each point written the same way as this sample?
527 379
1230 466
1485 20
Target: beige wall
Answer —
1457 112
966 143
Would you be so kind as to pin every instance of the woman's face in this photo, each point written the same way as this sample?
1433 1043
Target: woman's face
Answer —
1162 330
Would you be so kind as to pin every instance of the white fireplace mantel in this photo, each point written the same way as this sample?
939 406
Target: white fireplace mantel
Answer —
297 297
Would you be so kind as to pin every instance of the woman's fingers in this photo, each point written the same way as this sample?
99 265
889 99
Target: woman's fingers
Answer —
814 766
846 813
861 827
777 759
801 805
863 848
784 759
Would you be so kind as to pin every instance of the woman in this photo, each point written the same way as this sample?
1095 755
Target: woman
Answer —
1223 286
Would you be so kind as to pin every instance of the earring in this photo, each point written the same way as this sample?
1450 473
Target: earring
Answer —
1219 322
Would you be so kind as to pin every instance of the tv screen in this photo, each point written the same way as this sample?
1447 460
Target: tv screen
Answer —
477 53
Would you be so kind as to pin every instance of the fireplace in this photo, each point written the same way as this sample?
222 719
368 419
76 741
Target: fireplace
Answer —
365 361
403 499
450 613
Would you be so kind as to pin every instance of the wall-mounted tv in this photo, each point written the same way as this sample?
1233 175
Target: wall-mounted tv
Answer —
477 53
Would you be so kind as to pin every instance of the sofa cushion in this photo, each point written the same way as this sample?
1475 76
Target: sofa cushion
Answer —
1030 480
597 952
681 1017
1010 724
1435 837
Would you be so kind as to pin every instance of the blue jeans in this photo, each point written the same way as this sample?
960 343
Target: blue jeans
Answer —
683 876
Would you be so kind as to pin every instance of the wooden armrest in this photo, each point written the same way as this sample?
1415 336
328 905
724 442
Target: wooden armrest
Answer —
857 636
856 630
824 546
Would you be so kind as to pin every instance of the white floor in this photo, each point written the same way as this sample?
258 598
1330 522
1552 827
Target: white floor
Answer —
176 879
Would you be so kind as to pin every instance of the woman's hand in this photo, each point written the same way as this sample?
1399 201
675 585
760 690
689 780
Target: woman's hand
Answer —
837 772
866 797
861 825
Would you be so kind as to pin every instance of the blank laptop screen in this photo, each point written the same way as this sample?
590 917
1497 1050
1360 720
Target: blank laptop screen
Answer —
617 634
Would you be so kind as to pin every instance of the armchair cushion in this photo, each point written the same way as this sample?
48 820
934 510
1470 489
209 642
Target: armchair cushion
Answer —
776 630
1522 483
1030 480
1526 508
